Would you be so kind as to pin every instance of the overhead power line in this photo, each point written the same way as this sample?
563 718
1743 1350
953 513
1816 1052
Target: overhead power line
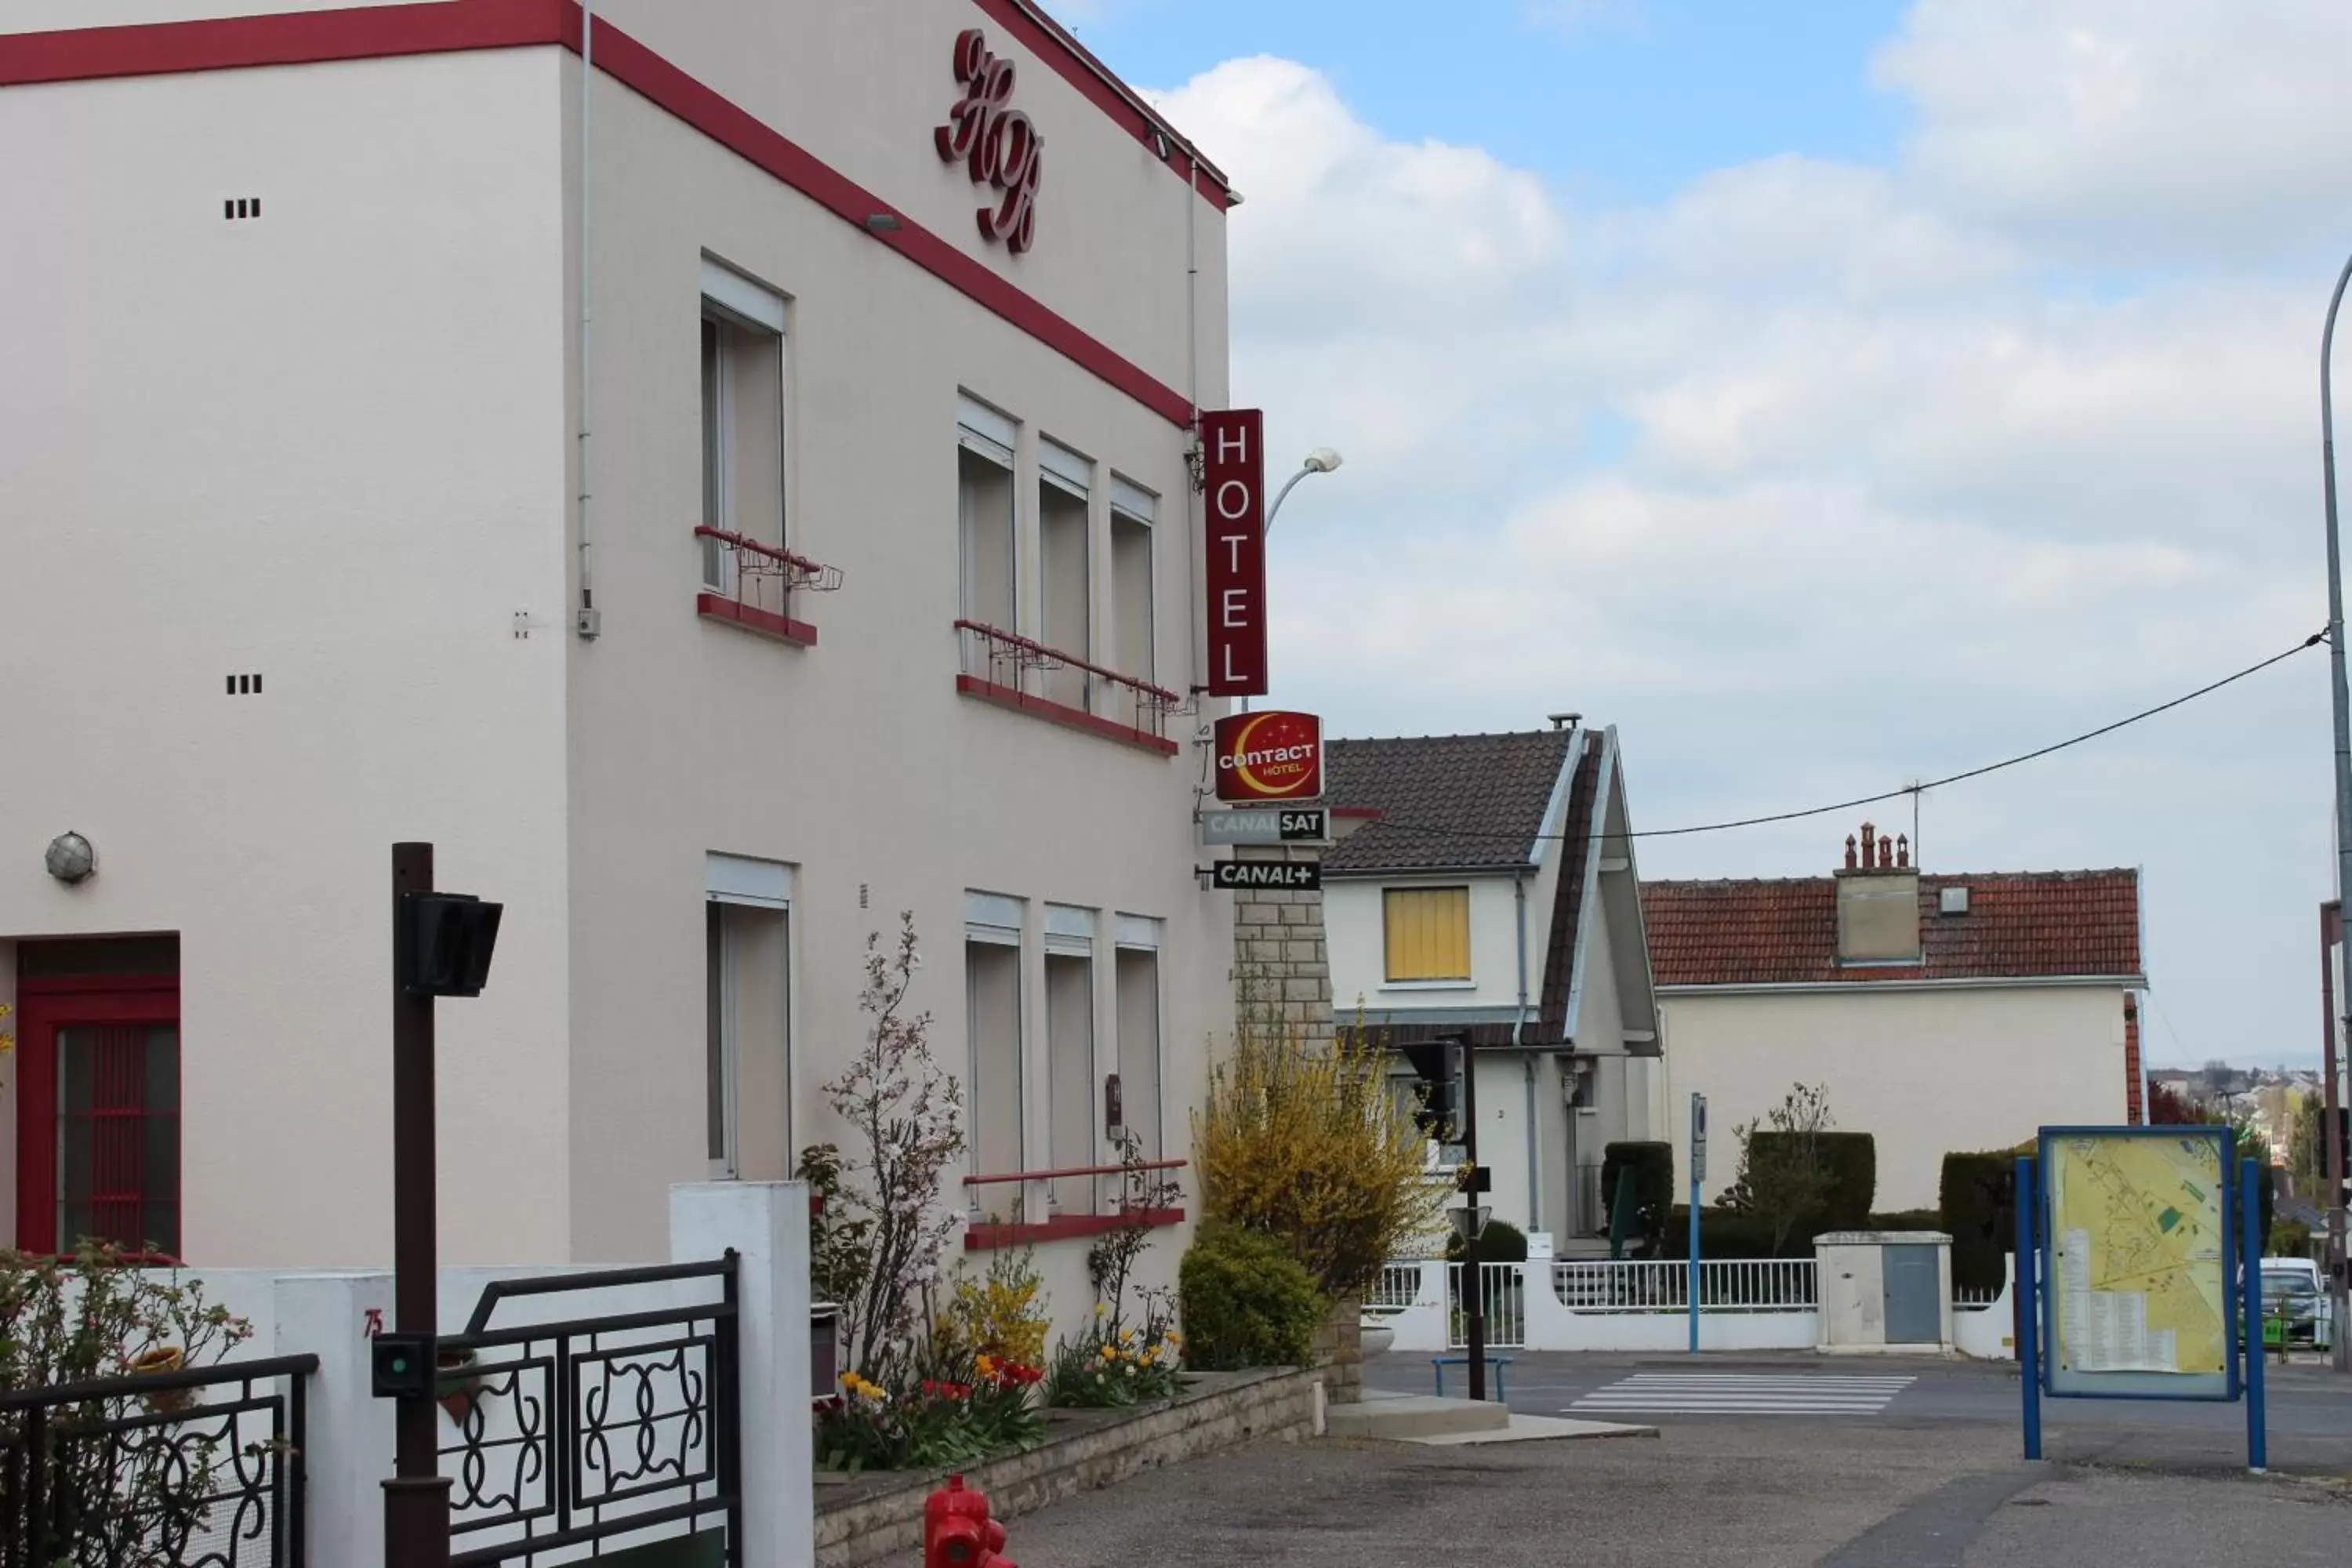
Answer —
1909 790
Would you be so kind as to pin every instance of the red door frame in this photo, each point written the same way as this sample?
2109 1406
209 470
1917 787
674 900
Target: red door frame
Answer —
43 1006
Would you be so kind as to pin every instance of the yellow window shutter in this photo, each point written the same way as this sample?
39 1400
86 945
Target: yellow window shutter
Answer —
1428 933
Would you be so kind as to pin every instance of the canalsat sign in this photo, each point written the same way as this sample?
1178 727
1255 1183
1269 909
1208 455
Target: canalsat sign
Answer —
1233 472
1269 756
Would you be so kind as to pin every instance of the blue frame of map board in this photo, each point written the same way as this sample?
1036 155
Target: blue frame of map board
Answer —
2062 1383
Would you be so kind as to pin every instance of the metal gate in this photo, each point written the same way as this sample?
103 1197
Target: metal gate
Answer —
601 1438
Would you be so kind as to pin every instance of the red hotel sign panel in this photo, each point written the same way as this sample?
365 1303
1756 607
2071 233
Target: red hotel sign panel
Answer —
1269 756
1234 474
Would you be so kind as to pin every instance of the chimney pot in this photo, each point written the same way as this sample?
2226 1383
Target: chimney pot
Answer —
1902 849
1869 839
1886 853
1850 861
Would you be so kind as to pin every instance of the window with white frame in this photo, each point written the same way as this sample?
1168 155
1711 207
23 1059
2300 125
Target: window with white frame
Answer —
1139 1074
1070 1053
747 960
993 1077
743 427
1065 524
1132 511
987 515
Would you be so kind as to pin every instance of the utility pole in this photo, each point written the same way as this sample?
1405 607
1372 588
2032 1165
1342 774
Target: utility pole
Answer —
1473 1283
2342 696
2331 1135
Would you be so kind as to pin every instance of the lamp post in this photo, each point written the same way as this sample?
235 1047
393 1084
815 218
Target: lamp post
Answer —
1321 460
2340 1324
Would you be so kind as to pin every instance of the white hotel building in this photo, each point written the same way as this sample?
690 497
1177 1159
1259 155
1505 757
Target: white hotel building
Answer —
704 637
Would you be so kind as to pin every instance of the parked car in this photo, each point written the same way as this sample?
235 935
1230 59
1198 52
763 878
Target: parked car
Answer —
2295 1298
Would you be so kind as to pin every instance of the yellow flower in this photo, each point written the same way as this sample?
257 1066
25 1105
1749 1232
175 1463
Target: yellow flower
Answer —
1100 1308
1146 1358
1174 1337
1109 1353
849 1380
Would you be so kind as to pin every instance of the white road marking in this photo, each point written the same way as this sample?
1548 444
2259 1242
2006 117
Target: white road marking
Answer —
1743 1393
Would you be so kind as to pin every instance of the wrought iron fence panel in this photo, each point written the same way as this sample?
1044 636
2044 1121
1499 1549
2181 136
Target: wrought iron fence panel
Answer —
200 1468
574 1435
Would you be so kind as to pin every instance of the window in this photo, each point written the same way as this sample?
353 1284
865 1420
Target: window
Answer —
1070 1053
1428 933
1132 511
1064 524
742 416
1139 1030
992 1084
985 509
747 961
118 1135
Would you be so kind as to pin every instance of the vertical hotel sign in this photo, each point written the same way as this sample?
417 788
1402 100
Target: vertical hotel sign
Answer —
1232 473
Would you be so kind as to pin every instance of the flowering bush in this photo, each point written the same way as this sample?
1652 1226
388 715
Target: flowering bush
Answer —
994 1317
1114 1366
939 1421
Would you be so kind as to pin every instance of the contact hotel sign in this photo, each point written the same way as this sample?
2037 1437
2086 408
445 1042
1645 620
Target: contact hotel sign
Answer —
1269 757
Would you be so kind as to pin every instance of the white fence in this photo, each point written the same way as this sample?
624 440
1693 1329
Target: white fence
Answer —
1601 1306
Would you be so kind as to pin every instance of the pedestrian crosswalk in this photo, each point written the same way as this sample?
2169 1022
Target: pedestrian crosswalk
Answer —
1742 1394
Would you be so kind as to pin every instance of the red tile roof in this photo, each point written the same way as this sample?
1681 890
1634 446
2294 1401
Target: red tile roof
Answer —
2019 925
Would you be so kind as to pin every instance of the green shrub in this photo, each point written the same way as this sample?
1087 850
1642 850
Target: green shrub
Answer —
1851 1162
1245 1301
1982 1220
1652 1165
1723 1233
1500 1242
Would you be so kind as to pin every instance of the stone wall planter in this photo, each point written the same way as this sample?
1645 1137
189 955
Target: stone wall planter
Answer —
1339 1351
878 1517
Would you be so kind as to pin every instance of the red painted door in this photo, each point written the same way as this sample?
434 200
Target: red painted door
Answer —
97 1113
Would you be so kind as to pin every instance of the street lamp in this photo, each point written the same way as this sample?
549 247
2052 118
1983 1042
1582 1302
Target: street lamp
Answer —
2339 1320
1321 460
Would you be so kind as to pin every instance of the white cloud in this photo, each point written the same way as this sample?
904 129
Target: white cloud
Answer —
1817 477
2134 126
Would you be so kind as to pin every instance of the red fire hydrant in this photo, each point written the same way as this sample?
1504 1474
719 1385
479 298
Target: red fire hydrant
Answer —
958 1532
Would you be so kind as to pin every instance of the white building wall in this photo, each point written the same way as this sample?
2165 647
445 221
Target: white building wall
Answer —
1925 1071
326 447
1356 930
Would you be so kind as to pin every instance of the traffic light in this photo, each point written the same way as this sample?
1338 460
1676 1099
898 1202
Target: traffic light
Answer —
443 944
1433 1065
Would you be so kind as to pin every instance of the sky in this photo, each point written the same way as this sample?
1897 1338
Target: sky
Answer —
1828 394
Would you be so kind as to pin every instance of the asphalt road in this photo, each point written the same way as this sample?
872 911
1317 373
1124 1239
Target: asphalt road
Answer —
1932 1479
2310 1407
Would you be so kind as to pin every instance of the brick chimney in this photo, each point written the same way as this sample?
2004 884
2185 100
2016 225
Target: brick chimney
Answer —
1877 900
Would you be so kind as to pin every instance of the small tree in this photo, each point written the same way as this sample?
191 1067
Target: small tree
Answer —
906 1122
1784 1179
1306 1144
1110 1261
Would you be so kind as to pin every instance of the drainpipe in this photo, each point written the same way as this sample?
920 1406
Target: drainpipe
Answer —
1192 396
587 621
1526 1063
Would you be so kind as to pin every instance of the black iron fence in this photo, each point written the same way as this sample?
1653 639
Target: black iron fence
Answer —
198 1468
575 1437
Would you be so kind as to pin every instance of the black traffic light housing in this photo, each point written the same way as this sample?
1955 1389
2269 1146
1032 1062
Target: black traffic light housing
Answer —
402 1365
443 944
1433 1064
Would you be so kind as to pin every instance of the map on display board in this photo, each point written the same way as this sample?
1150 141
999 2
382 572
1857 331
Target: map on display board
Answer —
2137 1257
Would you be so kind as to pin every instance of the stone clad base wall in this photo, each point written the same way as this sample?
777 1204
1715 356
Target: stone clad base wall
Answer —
1339 1351
879 1518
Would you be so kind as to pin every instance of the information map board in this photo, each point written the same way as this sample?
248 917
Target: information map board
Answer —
2136 1232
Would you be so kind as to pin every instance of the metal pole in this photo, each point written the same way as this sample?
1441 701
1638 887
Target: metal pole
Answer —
2250 1284
2029 1321
1279 497
2343 704
2331 1135
1698 1178
1473 1283
416 1499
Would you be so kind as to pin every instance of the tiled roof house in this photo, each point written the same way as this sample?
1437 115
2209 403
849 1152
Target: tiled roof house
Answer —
1940 1012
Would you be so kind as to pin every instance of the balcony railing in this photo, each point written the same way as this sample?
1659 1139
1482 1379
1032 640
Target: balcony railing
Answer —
1020 672
1072 1202
752 584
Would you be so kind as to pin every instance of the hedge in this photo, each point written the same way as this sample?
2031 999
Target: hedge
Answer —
1500 1242
1852 1162
1974 1190
1724 1234
1652 1165
1245 1301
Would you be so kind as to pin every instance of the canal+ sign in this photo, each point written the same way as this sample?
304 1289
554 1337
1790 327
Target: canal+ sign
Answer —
1269 756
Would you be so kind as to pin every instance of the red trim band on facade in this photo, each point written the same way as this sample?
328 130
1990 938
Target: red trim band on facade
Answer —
1080 67
1063 1228
287 39
299 37
1063 714
751 618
